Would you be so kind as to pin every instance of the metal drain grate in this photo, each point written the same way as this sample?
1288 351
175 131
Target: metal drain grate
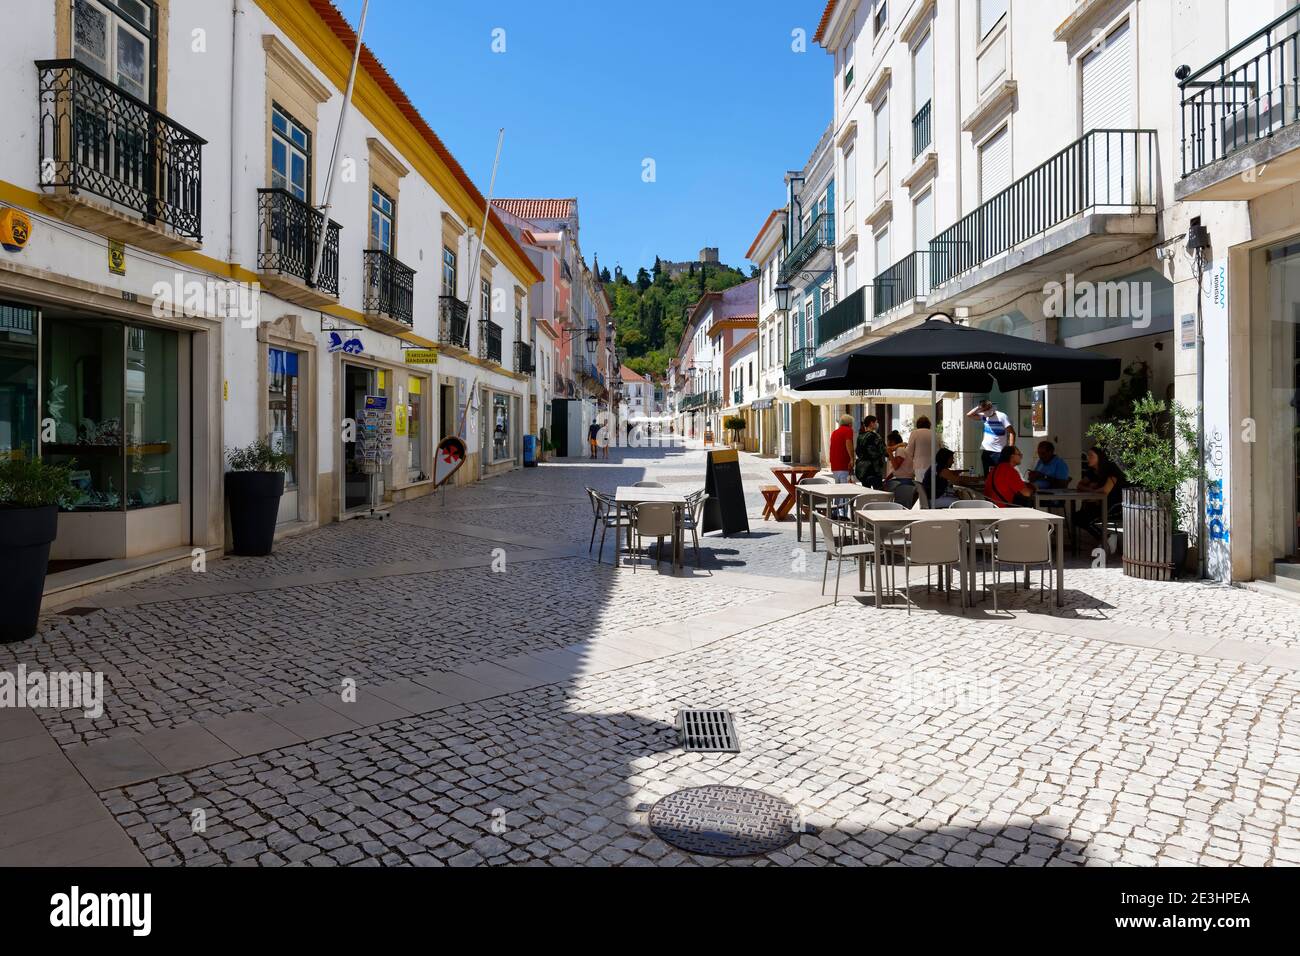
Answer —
708 731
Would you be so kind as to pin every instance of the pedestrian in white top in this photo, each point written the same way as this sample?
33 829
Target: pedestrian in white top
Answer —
920 446
999 433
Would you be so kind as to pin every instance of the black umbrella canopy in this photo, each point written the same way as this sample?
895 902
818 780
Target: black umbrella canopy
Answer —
962 358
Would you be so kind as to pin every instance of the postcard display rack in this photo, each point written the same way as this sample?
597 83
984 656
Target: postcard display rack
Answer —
375 435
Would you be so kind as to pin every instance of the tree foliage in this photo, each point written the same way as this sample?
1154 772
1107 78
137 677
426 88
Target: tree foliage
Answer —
650 314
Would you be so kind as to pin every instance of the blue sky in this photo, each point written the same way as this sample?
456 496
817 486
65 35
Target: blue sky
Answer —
709 89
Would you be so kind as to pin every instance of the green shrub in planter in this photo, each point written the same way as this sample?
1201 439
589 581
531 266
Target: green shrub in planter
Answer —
31 492
1157 449
254 485
734 424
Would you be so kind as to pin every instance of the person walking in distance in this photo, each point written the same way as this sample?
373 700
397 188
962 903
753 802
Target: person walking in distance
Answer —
999 433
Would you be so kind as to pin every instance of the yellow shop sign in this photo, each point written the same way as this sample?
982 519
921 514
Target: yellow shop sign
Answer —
420 356
15 229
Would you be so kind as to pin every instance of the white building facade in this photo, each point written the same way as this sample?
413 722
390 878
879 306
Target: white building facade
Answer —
1036 169
177 292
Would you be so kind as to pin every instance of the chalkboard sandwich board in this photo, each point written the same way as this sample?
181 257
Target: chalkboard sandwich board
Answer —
725 508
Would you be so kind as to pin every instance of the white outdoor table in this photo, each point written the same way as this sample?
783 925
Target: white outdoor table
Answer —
883 522
832 494
626 496
1071 497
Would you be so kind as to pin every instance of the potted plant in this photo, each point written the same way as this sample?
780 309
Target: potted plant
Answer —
254 485
1157 449
734 424
31 491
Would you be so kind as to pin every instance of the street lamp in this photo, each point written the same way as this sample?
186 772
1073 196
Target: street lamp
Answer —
783 290
593 339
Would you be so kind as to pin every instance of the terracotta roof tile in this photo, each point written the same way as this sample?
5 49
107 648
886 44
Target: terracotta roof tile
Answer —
825 21
537 208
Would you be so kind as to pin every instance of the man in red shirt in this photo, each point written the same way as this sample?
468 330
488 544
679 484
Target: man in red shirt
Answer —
842 450
1004 486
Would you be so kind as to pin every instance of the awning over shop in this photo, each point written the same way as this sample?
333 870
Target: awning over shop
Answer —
862 396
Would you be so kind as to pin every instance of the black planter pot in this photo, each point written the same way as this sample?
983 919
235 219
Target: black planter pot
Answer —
254 498
1180 553
25 536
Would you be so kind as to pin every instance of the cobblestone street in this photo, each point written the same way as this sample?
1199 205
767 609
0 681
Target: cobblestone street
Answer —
515 703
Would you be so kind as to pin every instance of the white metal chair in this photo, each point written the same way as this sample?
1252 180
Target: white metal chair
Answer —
810 507
839 551
691 518
608 515
983 535
933 544
658 520
890 543
647 484
1022 544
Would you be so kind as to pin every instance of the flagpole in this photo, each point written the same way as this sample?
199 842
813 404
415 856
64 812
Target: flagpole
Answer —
934 447
334 151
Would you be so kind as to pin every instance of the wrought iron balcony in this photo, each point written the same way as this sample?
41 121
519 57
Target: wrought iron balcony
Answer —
453 322
922 135
905 280
844 317
799 360
1104 169
525 364
289 235
737 396
1247 94
389 287
820 235
489 340
97 138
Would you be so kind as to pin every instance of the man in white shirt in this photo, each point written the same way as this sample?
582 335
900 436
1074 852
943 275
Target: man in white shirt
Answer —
998 433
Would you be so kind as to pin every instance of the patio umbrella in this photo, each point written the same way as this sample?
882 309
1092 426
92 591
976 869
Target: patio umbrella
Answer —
955 358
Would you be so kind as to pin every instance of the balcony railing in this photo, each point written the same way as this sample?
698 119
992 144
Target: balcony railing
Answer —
820 235
843 318
288 235
96 137
388 286
1247 94
799 360
737 396
690 402
453 322
905 280
489 338
1105 168
524 362
921 131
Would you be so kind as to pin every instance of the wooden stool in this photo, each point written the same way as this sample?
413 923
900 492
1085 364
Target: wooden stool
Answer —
770 493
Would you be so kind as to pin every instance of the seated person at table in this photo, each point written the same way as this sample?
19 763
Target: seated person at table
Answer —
1102 474
902 471
1050 471
943 479
1004 486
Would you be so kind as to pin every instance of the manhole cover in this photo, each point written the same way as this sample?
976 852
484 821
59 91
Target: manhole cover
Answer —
708 731
725 821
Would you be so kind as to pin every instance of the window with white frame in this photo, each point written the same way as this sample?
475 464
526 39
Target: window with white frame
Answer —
850 187
881 122
880 19
847 65
991 14
882 251
115 38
